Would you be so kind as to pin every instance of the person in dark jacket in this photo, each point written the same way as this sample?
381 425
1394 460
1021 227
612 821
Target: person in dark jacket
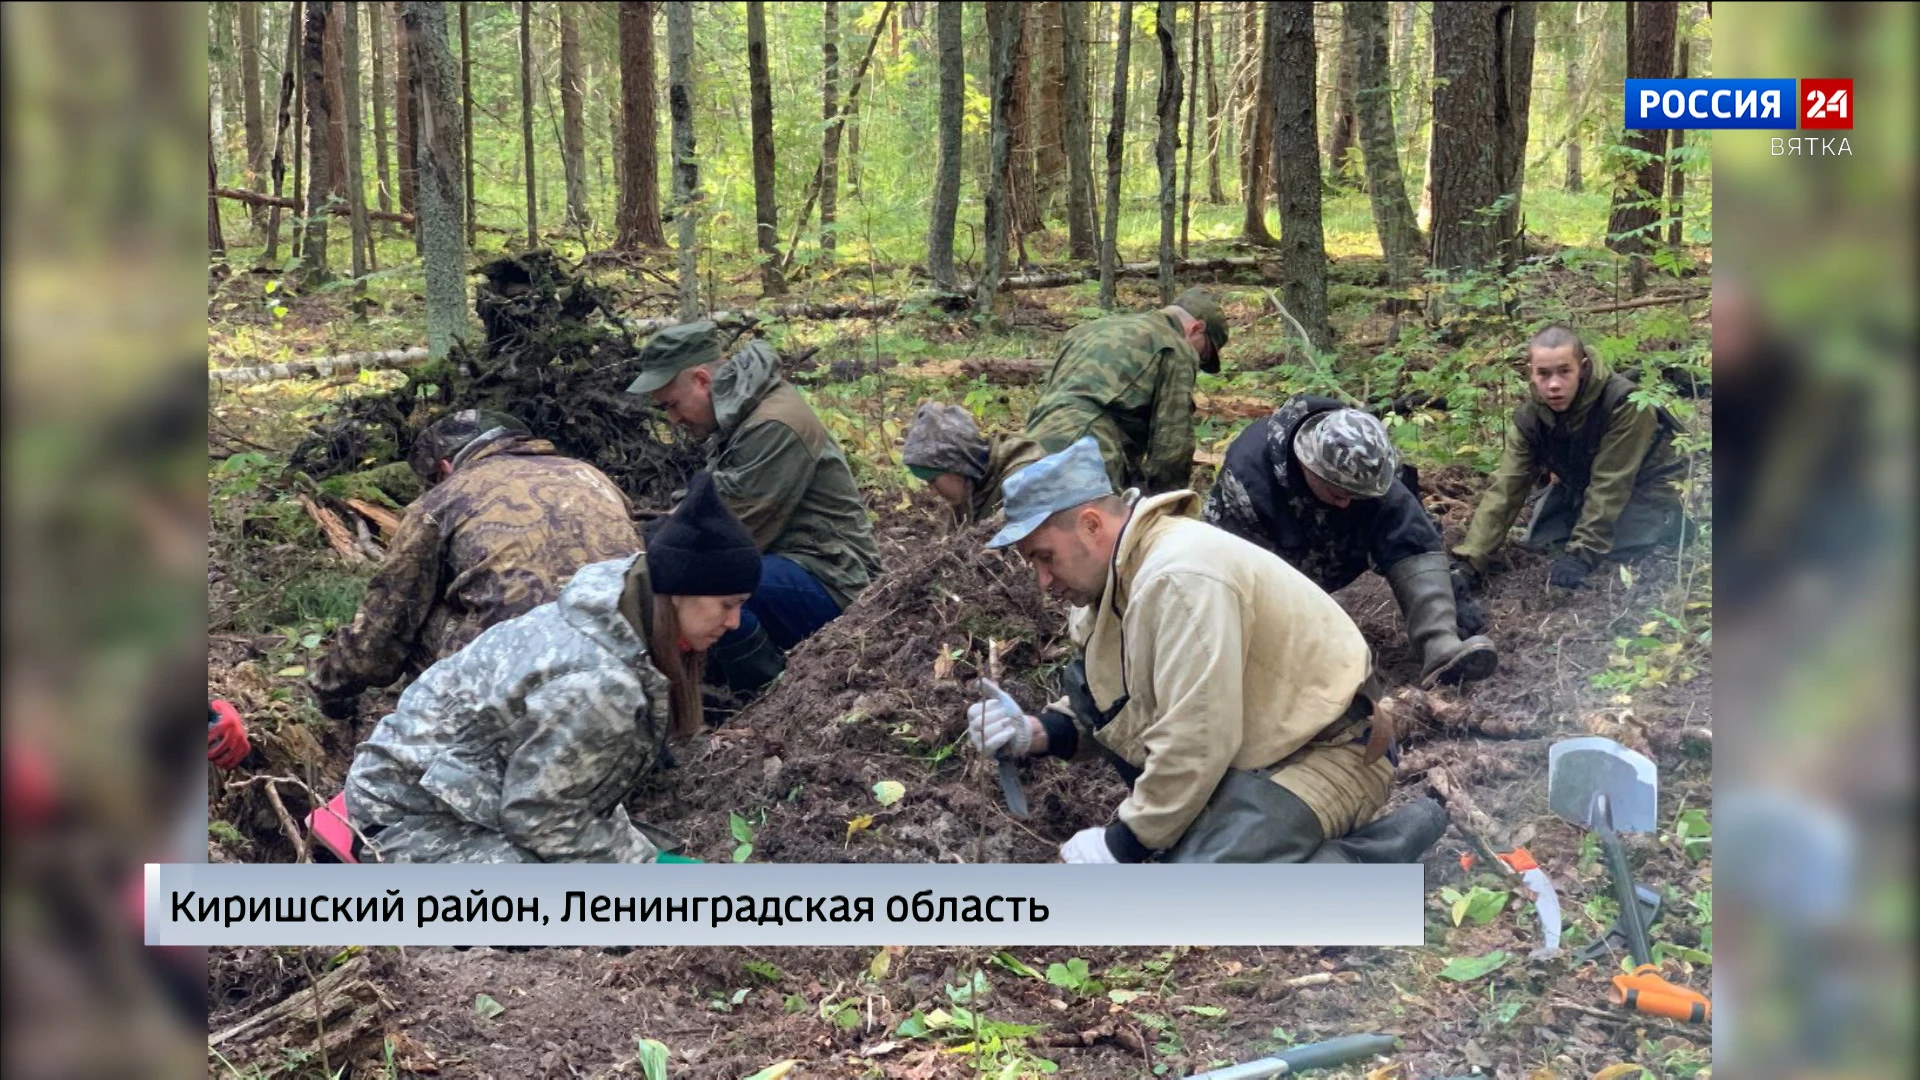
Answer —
1612 460
1319 485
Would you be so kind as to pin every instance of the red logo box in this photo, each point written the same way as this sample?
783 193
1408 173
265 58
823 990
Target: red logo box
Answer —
1826 104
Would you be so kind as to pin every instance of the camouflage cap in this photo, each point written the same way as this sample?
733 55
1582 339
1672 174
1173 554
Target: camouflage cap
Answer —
446 437
1200 304
674 350
1350 450
944 439
1073 477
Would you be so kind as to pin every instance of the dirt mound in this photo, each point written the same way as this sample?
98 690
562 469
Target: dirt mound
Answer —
546 359
880 695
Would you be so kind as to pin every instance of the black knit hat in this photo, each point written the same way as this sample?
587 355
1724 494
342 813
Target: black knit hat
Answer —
701 549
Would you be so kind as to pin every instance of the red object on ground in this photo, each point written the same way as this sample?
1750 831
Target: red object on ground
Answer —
31 792
328 826
227 743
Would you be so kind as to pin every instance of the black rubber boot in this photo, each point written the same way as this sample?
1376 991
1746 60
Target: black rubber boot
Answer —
1424 589
1397 836
750 665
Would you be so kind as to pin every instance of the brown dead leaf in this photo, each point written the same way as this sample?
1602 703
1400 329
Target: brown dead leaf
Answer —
1625 1070
1387 1072
943 664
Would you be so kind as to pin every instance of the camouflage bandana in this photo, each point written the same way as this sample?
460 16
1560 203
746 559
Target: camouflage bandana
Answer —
945 439
1350 450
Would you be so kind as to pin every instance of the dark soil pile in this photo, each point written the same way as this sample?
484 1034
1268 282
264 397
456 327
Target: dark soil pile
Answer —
881 695
556 356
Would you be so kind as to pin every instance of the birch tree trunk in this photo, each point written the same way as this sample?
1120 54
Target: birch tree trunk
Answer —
686 168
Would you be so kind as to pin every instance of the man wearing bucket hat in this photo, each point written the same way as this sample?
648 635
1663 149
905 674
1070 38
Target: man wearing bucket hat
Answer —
523 746
506 522
1319 485
1127 380
783 475
946 450
1233 695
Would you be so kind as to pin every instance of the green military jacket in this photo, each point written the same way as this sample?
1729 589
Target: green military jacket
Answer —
1127 380
496 539
784 477
1629 455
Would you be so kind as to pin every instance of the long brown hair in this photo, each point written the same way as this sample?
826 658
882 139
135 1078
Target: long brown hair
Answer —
682 669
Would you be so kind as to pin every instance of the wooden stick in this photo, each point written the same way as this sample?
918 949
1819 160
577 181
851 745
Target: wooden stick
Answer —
300 853
386 520
336 532
258 198
319 367
281 1010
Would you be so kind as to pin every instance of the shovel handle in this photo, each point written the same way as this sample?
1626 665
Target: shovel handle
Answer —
1631 924
1647 991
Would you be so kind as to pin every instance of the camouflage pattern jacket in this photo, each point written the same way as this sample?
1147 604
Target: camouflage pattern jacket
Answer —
522 746
784 477
1127 380
1005 456
1605 448
494 540
1261 496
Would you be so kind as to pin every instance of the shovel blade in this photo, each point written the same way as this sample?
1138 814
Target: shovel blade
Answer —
1010 787
1579 769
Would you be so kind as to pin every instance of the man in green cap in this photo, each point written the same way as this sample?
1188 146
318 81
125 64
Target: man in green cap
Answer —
781 473
1127 380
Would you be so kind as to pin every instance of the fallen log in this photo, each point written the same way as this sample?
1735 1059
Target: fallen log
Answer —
1603 309
261 198
339 537
1053 279
318 368
385 520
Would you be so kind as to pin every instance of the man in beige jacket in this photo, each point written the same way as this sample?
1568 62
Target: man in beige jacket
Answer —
1234 695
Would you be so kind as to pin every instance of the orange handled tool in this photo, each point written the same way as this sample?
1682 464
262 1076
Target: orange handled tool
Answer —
1646 991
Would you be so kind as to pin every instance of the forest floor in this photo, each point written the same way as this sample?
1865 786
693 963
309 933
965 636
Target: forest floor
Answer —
879 696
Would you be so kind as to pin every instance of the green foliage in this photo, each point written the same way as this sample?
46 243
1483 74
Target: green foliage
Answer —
765 970
743 830
1073 975
652 1055
1469 968
1478 905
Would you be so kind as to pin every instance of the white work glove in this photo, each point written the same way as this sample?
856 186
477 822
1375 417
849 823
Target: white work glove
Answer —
1087 846
997 725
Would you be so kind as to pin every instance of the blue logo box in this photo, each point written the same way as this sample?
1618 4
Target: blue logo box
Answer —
1708 104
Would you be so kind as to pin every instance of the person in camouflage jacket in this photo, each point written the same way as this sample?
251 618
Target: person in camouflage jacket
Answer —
523 746
1127 380
963 467
1612 461
509 520
1321 486
783 475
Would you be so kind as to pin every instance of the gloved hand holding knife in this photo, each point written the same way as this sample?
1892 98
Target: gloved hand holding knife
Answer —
997 725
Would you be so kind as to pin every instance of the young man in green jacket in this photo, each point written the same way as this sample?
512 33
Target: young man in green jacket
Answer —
781 473
1612 462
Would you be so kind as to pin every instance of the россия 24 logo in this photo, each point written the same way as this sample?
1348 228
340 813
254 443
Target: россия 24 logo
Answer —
1740 104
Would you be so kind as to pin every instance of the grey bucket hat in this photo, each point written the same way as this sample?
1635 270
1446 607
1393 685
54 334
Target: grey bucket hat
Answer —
1350 450
1072 477
674 350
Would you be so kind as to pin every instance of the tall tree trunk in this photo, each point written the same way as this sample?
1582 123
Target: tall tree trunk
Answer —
686 167
1404 73
1253 228
1296 170
1215 194
947 16
1344 138
1576 94
440 142
526 122
573 119
1046 31
383 174
250 93
1678 200
1003 47
466 124
1637 200
363 256
313 248
1116 152
853 149
1082 238
1373 104
1166 143
1464 163
765 199
848 108
1022 195
1513 96
216 242
336 105
1193 110
640 225
406 150
829 144
297 45
285 117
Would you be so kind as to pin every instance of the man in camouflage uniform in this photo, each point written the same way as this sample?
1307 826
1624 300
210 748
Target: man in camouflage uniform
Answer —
781 472
946 450
1319 485
507 521
1612 461
1127 380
